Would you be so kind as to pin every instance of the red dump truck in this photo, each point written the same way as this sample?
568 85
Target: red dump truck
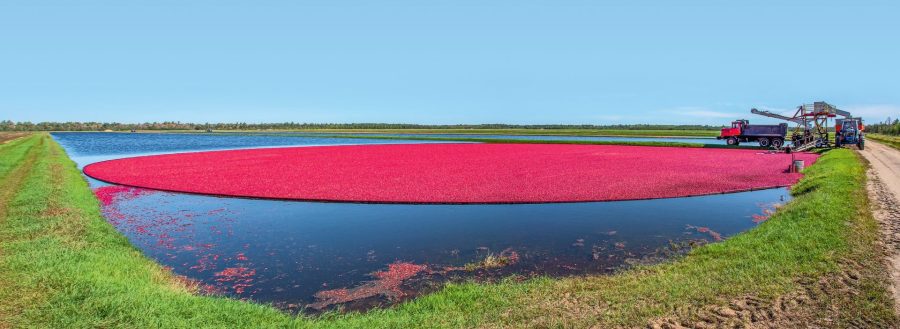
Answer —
766 135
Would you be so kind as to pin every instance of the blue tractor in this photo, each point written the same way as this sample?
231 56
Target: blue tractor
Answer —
849 131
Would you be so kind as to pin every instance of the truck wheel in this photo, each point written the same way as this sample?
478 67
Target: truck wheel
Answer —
764 142
732 141
777 143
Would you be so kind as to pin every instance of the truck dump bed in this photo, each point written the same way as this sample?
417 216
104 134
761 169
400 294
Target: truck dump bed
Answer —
778 130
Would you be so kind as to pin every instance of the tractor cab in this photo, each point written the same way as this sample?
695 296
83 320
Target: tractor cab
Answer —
848 127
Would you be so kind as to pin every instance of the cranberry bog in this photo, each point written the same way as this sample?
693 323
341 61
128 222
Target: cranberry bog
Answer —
314 256
457 173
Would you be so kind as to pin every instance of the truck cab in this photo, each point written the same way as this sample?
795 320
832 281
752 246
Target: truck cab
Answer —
736 127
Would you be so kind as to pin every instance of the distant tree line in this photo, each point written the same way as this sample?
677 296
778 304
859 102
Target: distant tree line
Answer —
8 125
888 127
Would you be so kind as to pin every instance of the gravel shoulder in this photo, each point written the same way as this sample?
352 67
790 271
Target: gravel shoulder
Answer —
884 192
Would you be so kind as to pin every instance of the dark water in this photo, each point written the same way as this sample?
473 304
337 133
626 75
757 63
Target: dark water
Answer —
97 144
285 252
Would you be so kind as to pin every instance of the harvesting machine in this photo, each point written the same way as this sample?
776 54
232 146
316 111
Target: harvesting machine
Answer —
812 126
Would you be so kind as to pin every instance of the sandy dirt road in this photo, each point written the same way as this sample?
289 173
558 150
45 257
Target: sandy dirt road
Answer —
886 163
884 193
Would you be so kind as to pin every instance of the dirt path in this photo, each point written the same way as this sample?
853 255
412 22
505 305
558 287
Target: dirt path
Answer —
886 162
6 137
884 192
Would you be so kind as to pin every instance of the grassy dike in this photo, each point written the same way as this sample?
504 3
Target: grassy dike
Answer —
62 265
892 141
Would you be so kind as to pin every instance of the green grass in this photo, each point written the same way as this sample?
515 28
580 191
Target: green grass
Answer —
892 141
62 265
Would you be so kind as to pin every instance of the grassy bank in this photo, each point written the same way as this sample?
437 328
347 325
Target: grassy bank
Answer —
62 265
892 141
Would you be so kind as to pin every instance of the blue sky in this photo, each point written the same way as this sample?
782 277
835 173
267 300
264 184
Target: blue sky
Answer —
594 62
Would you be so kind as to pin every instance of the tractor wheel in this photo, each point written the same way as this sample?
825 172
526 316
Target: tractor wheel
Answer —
732 141
777 143
861 145
764 142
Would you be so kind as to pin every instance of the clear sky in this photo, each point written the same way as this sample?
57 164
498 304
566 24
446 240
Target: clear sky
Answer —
593 62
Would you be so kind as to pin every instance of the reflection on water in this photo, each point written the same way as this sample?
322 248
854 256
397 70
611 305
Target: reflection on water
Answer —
115 145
